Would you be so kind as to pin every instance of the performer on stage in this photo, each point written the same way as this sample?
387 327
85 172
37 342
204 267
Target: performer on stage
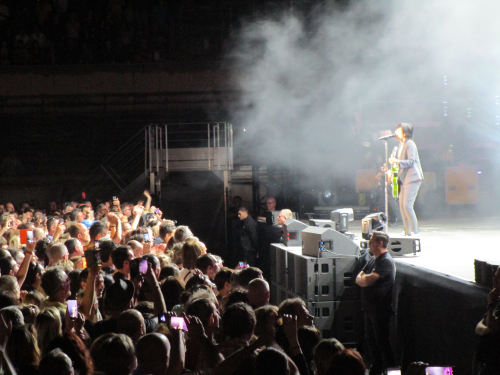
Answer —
410 176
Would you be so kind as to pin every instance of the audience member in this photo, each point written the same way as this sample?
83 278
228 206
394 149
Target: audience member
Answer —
223 282
297 307
238 324
323 354
207 264
56 363
258 293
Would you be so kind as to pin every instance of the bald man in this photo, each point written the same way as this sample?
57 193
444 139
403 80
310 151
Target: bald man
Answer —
153 354
258 293
271 204
131 322
57 252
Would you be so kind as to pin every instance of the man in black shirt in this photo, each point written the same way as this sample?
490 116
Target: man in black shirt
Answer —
376 282
248 236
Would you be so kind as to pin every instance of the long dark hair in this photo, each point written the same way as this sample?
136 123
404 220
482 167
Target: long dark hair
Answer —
34 269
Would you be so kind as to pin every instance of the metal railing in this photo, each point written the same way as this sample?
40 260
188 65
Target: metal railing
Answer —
188 147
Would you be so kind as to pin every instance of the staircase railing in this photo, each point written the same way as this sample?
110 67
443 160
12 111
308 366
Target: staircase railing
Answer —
189 147
128 162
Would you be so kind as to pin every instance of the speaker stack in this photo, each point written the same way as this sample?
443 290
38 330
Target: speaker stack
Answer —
326 282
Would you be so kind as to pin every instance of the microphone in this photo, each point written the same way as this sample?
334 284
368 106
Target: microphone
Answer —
386 137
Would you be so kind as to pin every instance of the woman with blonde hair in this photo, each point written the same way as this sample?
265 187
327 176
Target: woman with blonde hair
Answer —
48 326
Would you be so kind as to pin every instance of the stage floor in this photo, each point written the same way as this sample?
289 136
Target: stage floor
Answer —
450 245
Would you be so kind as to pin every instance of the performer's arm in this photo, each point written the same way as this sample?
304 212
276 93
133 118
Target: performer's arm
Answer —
367 279
411 155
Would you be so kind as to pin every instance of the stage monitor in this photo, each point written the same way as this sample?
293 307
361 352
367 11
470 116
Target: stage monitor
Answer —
292 232
327 242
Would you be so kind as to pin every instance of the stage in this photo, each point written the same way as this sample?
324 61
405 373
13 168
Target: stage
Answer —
450 245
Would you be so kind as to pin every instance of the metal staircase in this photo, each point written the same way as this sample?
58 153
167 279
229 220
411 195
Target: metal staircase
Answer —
188 147
154 151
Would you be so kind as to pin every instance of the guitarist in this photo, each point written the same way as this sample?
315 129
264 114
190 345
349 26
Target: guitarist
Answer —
395 218
410 176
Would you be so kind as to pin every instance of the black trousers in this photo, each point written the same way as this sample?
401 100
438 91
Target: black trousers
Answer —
377 324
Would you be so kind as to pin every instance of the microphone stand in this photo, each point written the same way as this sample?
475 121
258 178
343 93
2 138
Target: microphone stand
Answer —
386 195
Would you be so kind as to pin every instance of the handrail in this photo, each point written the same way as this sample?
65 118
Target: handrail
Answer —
203 146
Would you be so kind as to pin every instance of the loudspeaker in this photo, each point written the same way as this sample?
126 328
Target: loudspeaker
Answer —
339 319
402 245
321 279
278 294
327 242
292 232
398 245
278 265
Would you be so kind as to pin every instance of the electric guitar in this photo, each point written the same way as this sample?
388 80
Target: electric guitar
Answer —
394 175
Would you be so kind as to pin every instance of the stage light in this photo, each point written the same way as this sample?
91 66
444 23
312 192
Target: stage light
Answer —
371 223
328 196
341 217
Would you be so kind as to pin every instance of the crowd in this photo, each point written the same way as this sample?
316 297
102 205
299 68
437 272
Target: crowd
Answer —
122 290
93 32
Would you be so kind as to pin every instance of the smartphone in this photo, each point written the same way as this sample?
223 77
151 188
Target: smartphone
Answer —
164 318
178 323
61 221
29 236
49 237
143 267
92 213
23 234
97 245
436 370
157 210
97 257
72 309
146 237
84 195
114 198
84 262
393 371
243 265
